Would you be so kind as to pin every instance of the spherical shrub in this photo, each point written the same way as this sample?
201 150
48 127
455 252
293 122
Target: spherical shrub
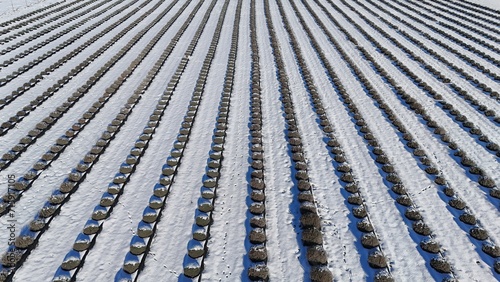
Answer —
377 260
441 265
421 228
430 246
316 255
258 272
321 274
364 225
257 236
258 253
479 233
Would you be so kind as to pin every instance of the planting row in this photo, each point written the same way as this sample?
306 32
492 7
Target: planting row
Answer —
146 229
346 140
310 223
424 235
257 253
75 258
433 170
197 247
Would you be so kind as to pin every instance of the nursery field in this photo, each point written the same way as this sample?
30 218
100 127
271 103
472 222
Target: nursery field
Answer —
250 140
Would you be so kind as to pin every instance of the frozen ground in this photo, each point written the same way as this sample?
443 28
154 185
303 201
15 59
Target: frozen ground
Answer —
230 140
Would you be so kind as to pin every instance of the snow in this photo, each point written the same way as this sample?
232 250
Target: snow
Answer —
227 258
11 8
386 220
488 3
230 204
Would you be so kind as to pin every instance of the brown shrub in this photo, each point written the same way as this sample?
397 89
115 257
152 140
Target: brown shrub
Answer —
200 233
191 270
257 164
393 178
421 228
257 253
340 158
258 222
305 196
307 207
196 249
404 200
310 220
304 185
352 187
37 224
476 170
359 212
364 225
479 233
387 168
258 272
257 196
257 208
431 170
440 180
369 240
355 200
468 218
257 236
143 231
419 153
457 203
495 192
24 241
448 191
491 250
202 219
70 263
257 173
344 168
382 159
300 166
47 211
347 177
301 175
312 236
11 258
383 276
467 161
377 260
399 189
486 182
430 246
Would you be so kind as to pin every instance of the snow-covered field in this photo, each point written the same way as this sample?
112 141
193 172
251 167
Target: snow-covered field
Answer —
234 140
